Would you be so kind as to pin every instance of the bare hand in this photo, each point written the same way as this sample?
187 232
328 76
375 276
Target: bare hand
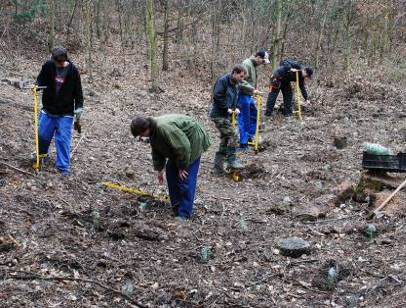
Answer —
237 111
161 177
230 111
183 174
257 92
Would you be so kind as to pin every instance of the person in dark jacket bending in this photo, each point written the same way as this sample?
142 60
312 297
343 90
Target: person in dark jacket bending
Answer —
225 96
177 142
280 81
62 101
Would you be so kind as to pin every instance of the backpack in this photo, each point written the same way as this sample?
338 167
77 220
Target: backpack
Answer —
289 63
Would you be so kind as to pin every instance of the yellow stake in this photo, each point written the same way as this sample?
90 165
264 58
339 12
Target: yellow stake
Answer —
298 112
38 156
137 192
36 165
234 119
259 109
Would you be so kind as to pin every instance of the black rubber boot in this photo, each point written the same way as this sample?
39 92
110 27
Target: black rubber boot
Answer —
218 169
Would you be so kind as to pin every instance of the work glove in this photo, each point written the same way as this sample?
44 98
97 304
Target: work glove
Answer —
78 113
77 126
230 111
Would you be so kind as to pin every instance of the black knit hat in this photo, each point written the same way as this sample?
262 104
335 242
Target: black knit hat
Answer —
59 54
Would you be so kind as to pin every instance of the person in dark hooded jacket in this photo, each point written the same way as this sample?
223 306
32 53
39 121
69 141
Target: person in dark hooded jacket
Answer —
280 81
62 101
225 99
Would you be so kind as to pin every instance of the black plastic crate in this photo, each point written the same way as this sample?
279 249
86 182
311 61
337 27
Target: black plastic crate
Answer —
390 163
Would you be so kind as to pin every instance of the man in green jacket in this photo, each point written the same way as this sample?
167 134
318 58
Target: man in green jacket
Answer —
247 121
177 142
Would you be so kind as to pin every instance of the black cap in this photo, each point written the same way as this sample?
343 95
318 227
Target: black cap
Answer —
59 54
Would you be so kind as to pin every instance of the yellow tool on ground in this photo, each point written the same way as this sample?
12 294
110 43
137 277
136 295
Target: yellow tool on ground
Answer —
37 164
137 192
298 111
255 144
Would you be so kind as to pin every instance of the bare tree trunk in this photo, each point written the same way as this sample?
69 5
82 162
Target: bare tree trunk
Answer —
152 45
319 40
120 21
179 32
166 37
277 33
283 37
385 36
71 18
51 20
120 24
97 19
347 35
106 22
88 19
215 39
243 39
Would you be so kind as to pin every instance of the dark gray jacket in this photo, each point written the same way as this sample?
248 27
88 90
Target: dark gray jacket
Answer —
225 95
285 76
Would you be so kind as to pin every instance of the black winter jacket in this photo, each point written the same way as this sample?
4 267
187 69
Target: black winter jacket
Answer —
225 96
70 96
284 75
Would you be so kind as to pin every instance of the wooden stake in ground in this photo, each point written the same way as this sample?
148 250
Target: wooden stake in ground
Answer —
403 184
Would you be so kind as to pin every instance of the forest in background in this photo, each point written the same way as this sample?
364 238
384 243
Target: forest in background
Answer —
343 38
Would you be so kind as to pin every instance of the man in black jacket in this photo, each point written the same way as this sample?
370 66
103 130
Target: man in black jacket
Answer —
62 101
225 96
280 81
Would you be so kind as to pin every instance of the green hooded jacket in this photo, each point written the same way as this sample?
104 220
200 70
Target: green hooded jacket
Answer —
178 138
249 84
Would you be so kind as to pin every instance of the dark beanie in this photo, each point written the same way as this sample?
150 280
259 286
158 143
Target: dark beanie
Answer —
260 54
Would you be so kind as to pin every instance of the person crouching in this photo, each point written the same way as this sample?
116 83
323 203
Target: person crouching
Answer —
177 143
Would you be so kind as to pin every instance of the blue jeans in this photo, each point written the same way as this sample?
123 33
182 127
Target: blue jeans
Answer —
182 193
61 127
247 120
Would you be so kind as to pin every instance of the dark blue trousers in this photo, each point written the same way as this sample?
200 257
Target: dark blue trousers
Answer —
182 193
61 127
287 99
247 120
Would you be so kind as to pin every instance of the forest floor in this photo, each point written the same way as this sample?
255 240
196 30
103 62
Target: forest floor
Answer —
71 242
